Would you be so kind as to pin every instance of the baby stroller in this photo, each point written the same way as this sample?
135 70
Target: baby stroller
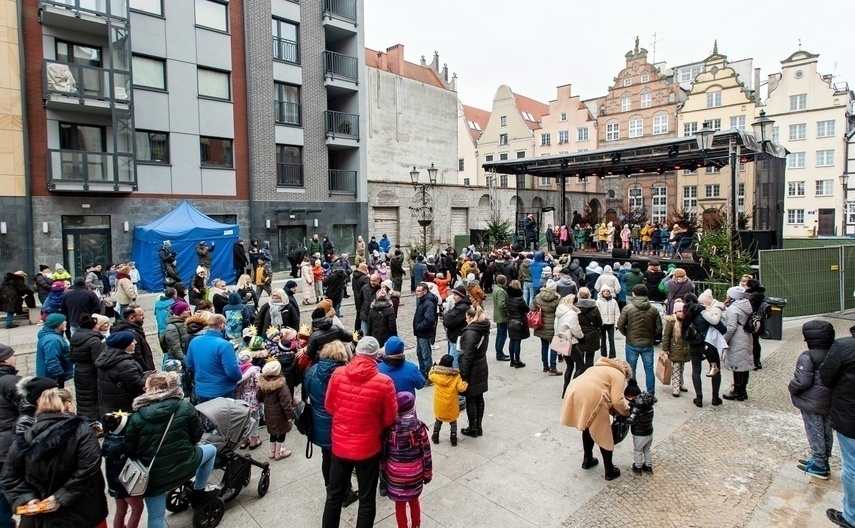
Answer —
227 423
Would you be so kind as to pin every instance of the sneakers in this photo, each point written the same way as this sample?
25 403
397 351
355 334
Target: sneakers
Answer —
812 469
503 358
351 497
612 473
519 364
588 463
836 516
647 468
636 469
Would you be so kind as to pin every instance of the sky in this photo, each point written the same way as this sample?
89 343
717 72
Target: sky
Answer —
536 45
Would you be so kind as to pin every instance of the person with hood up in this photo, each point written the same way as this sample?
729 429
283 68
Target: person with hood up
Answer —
324 332
198 289
196 325
473 368
646 238
238 316
609 279
564 236
739 358
675 349
86 347
203 253
640 323
610 237
53 354
473 289
13 292
454 319
329 249
277 314
120 378
536 270
404 374
517 323
53 303
308 277
578 272
592 275
278 406
60 273
591 323
335 285
813 398
625 236
385 244
609 312
546 301
382 322
161 309
448 389
176 336
588 403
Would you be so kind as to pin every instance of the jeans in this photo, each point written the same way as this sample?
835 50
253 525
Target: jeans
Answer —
453 352
121 311
337 306
156 505
6 520
363 325
636 245
10 319
607 331
501 337
820 437
641 450
847 475
547 355
646 353
423 351
514 349
527 293
367 475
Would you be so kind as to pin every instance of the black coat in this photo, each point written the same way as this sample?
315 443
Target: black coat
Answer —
43 285
78 301
652 280
590 320
325 332
837 372
641 415
473 357
329 248
396 264
335 285
239 257
290 317
454 320
424 320
382 322
58 456
359 281
13 292
10 401
142 350
197 283
86 347
120 380
369 293
517 310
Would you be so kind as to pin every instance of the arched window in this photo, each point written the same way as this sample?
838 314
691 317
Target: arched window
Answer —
612 130
645 77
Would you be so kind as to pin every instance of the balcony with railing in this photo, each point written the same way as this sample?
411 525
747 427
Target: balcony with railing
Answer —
341 9
78 86
79 170
340 67
83 15
288 113
342 182
289 175
341 128
286 50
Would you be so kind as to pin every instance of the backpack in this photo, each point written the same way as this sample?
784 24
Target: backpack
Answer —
692 336
303 421
756 321
234 324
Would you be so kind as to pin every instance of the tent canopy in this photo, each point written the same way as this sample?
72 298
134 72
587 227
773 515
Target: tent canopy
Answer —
184 227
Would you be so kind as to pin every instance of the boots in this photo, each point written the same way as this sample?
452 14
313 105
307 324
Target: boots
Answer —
281 452
589 462
435 436
272 454
713 370
472 430
453 439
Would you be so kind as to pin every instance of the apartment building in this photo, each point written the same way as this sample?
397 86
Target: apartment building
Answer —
471 123
813 114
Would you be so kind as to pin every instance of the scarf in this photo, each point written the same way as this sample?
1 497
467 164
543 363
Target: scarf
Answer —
276 312
122 276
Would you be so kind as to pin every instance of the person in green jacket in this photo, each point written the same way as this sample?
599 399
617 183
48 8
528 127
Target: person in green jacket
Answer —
314 246
500 316
179 458
547 301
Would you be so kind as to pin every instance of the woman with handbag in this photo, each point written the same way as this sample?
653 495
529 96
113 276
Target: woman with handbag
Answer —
162 436
567 334
517 322
55 466
591 322
546 301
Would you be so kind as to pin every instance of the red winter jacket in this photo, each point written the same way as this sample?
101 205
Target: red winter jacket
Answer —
362 403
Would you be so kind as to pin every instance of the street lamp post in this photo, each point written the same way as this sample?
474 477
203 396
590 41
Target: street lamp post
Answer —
422 189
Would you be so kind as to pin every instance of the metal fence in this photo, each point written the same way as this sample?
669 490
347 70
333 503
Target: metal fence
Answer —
813 280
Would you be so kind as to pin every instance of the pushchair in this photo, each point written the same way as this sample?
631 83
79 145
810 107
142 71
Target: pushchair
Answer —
227 424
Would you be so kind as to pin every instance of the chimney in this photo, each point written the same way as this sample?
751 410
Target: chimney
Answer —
564 92
756 86
381 60
395 58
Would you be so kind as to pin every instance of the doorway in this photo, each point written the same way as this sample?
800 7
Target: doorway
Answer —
826 223
86 241
289 235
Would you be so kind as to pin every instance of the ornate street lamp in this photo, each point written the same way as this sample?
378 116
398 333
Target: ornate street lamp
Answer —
763 128
425 211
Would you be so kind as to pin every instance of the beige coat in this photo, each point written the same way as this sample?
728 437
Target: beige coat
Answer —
308 280
125 292
592 396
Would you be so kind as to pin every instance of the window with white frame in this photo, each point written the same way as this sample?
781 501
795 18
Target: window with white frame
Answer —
503 180
850 213
798 131
824 187
645 77
563 136
825 158
636 127
690 198
646 99
798 102
503 121
714 99
796 189
795 216
690 171
737 122
714 124
625 103
563 116
796 160
503 156
582 134
659 209
776 134
689 74
612 131
713 169
635 199
627 81
713 190
488 158
544 181
660 124
740 198
689 129
520 154
825 128
545 139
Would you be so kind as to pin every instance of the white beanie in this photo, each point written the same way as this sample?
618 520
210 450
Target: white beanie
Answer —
368 346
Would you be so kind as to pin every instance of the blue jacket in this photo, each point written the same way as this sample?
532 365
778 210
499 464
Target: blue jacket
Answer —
405 375
419 269
385 244
53 356
537 269
161 312
424 320
621 296
214 364
315 384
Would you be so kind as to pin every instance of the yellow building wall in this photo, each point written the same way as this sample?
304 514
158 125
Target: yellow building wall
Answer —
520 137
11 110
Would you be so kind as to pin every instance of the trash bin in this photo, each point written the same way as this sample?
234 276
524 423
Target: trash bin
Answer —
775 322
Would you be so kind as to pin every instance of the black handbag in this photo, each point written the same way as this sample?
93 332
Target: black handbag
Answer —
619 431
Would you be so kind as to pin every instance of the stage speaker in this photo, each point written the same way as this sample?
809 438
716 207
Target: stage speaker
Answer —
563 250
620 253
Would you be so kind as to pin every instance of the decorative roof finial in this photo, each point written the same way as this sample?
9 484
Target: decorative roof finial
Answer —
715 47
636 46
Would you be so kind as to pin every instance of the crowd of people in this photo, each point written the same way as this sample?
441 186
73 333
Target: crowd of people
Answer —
222 340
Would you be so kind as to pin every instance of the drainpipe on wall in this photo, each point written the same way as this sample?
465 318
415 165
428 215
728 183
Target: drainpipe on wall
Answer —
249 136
31 250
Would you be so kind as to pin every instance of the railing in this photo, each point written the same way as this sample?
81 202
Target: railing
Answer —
341 124
338 65
84 167
109 8
288 113
289 175
345 9
286 50
342 182
86 82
